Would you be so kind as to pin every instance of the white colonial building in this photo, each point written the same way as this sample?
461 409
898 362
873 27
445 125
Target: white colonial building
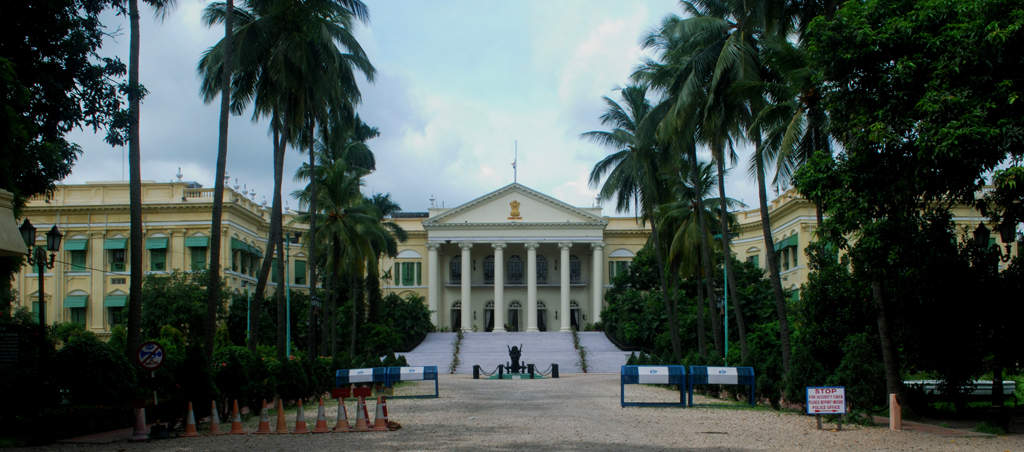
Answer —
513 260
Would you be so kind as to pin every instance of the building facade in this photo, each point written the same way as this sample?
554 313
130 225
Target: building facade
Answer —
514 259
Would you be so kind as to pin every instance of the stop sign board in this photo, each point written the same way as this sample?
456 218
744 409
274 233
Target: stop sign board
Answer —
150 355
826 400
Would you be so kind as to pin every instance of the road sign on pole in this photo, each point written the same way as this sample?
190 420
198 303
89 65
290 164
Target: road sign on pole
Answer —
150 356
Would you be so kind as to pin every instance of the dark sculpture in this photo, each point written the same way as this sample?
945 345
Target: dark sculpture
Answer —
514 353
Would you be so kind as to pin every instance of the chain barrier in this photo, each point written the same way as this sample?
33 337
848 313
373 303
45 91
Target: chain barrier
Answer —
488 374
546 372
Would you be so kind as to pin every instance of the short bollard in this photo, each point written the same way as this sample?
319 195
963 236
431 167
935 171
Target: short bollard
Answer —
476 371
501 373
529 368
554 370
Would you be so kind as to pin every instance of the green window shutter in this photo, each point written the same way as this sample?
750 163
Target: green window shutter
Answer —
156 243
115 315
78 316
75 301
35 310
397 273
419 275
158 260
78 261
754 260
300 272
795 255
408 274
115 301
197 242
116 260
198 258
275 275
76 244
238 245
115 244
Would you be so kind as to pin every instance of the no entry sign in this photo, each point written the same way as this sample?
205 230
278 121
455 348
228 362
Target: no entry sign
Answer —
150 355
826 400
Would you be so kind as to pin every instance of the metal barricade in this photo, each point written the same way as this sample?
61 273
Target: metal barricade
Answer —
665 375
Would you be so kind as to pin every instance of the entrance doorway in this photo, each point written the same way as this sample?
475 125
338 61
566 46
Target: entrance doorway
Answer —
455 320
542 316
513 316
489 316
574 315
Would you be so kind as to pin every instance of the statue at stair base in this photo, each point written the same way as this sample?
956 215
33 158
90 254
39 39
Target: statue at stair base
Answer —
514 353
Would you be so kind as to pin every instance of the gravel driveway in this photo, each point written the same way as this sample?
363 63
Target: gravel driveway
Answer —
573 412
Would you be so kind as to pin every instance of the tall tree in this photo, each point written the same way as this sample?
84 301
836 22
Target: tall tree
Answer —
631 177
135 92
209 90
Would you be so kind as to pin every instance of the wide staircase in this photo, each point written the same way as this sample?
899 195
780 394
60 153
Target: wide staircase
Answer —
540 348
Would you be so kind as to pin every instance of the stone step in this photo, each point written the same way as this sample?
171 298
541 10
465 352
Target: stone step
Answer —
435 350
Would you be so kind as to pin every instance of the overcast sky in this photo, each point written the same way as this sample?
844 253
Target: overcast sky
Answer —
458 82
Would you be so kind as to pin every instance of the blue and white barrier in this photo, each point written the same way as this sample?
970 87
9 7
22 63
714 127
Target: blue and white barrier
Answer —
375 375
663 375
710 375
423 373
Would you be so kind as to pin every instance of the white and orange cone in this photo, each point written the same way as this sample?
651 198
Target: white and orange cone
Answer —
264 427
361 415
282 426
236 420
380 419
214 419
342 424
190 423
300 420
321 419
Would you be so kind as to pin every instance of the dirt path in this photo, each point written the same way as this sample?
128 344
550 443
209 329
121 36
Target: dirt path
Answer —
574 412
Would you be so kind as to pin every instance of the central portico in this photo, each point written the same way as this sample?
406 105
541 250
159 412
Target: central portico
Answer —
511 249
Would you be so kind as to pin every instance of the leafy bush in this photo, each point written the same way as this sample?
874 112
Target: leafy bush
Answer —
93 373
177 299
409 318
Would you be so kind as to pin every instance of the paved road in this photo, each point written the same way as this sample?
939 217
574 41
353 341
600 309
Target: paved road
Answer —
571 413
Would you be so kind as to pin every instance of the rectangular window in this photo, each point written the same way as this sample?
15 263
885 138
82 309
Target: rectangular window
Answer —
616 268
158 260
753 260
78 261
116 260
198 258
785 258
408 274
300 272
78 316
275 275
793 252
234 261
115 316
35 310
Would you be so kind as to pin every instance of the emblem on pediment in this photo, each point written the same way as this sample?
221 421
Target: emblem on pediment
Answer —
514 214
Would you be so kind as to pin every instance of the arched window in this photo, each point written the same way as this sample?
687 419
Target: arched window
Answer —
515 270
455 270
455 318
542 270
574 269
513 316
489 269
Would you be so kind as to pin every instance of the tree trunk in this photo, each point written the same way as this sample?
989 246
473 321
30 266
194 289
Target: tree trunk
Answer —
273 237
893 383
705 255
723 221
373 297
353 292
313 329
773 266
667 298
135 249
701 334
275 218
213 286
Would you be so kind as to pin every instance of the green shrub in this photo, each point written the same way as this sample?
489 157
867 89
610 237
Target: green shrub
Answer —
92 373
241 375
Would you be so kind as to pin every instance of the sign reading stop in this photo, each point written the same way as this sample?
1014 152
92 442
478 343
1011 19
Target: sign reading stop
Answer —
826 400
150 355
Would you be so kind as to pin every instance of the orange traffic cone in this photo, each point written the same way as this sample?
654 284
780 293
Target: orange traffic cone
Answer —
361 415
282 427
140 432
300 420
264 427
236 420
321 420
380 420
190 423
342 425
214 419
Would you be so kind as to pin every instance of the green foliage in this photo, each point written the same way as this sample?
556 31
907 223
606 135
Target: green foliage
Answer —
94 373
241 375
178 300
409 318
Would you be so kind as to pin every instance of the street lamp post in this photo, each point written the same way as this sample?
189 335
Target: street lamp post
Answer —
37 257
287 298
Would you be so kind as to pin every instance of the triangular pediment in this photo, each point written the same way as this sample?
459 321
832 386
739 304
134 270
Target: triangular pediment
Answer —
515 204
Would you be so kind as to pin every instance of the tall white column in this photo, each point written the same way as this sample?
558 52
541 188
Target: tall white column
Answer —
467 272
563 261
499 287
597 281
433 282
531 286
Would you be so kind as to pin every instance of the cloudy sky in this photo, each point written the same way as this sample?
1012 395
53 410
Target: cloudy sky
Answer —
458 83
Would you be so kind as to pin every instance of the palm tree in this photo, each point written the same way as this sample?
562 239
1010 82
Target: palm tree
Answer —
383 207
631 176
209 91
135 93
286 52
